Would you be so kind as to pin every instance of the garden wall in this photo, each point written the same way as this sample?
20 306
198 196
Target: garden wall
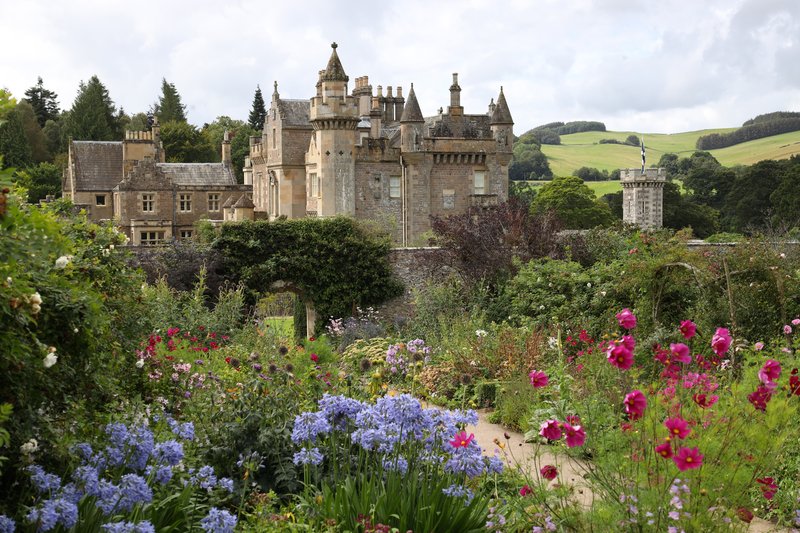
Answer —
414 267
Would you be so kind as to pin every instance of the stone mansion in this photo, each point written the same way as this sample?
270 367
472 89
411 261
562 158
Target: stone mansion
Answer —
361 153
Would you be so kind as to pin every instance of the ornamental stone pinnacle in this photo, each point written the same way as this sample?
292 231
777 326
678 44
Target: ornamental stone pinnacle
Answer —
334 71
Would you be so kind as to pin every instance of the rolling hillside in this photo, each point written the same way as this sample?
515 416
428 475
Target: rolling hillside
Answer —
583 149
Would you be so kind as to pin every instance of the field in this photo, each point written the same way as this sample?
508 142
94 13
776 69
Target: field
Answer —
583 149
599 187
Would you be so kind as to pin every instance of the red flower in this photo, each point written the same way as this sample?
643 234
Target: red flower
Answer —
619 355
550 429
312 339
721 341
575 436
228 360
768 487
664 450
744 514
705 401
770 372
760 397
794 385
680 353
573 420
549 472
315 358
538 379
525 490
635 404
688 329
173 331
461 440
678 427
626 319
688 459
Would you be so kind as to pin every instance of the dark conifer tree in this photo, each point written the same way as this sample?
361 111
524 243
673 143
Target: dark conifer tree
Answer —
93 116
43 101
169 107
258 113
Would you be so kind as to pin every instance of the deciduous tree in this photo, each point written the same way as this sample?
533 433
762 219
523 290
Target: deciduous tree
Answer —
13 145
573 202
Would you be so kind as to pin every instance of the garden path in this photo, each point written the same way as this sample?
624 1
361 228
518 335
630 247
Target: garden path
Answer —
519 454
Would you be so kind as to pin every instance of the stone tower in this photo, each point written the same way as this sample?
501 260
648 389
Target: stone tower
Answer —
643 196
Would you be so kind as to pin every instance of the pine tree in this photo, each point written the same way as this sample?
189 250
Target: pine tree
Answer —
93 116
169 106
13 145
258 113
43 101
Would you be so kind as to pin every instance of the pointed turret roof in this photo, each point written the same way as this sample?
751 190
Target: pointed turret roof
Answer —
244 202
334 71
501 114
411 111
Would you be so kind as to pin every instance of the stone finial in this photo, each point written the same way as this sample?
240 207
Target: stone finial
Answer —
275 94
334 71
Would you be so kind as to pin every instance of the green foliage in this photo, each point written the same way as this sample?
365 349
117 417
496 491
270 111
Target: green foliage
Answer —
330 262
5 437
184 143
529 163
93 116
632 140
572 202
591 174
140 122
54 137
762 126
40 181
43 101
7 102
14 147
33 133
169 107
257 112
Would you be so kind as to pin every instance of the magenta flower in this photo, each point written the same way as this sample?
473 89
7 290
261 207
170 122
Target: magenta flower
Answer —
688 329
525 490
768 487
626 319
760 397
549 472
721 341
680 353
796 321
461 440
575 435
678 427
688 459
538 379
619 355
787 329
635 404
550 429
664 450
704 400
770 372
758 346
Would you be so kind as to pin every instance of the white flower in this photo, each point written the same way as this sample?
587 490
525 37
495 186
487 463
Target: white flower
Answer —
35 299
541 306
110 246
75 330
139 363
29 447
589 285
63 261
552 342
106 252
602 293
480 332
51 358
8 281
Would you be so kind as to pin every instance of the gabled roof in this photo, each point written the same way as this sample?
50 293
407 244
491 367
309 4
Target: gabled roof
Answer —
199 174
294 112
334 71
411 111
244 202
98 165
501 113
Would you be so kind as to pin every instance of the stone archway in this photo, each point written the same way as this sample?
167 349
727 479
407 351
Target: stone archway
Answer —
311 312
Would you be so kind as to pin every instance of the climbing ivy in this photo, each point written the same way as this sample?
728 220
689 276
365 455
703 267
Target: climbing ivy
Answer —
332 262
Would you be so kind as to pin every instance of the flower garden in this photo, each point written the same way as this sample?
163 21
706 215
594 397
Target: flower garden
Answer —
666 399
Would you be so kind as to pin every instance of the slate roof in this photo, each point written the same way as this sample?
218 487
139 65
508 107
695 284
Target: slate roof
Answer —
198 174
501 113
411 111
98 165
244 202
295 112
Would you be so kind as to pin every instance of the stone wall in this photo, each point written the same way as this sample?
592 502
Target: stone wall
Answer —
414 267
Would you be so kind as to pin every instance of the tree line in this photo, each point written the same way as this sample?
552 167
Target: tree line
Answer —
35 131
759 127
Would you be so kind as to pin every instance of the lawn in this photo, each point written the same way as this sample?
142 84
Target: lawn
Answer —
600 188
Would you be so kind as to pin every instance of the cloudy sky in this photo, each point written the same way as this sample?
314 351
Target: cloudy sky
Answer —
641 65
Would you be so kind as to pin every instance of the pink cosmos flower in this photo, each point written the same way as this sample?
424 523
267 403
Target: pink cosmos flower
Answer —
549 472
770 372
626 319
538 379
575 435
760 397
525 490
688 329
704 400
550 429
678 427
758 346
620 356
787 329
635 404
573 420
315 358
688 459
628 341
680 353
796 322
664 450
721 341
768 487
461 440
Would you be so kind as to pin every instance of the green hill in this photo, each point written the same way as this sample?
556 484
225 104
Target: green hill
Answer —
583 149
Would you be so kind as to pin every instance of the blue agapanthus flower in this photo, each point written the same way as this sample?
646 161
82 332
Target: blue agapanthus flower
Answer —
43 481
307 426
133 489
459 491
467 460
218 521
308 456
129 527
53 512
205 478
7 525
169 452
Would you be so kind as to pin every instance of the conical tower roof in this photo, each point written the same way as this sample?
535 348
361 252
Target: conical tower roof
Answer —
501 114
411 111
334 71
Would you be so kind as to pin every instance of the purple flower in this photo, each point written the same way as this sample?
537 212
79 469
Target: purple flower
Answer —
308 456
133 490
43 481
225 483
129 527
86 480
54 512
205 477
7 525
339 409
494 465
107 496
161 474
459 491
466 460
396 464
307 426
169 452
218 521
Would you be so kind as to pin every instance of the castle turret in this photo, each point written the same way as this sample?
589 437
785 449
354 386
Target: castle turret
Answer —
226 148
411 123
502 124
455 108
643 196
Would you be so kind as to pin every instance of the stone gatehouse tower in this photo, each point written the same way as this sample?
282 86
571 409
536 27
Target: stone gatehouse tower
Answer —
373 155
643 196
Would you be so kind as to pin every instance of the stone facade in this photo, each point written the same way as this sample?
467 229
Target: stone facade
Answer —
643 196
375 157
151 201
